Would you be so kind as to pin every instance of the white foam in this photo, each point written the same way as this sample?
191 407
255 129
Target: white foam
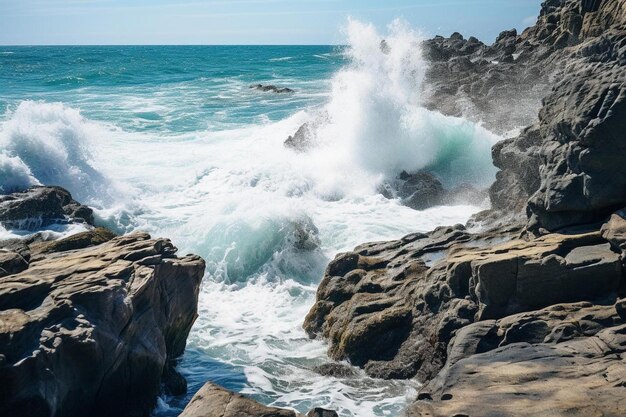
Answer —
374 123
241 200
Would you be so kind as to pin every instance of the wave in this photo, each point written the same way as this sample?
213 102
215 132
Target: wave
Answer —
48 143
374 121
285 58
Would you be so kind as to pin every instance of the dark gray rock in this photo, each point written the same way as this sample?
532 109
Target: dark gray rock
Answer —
321 412
335 370
272 88
41 206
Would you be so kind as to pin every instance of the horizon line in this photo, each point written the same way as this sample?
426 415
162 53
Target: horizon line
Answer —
167 44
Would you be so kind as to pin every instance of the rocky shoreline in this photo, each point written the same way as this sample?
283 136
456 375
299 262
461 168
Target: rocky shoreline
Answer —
520 312
525 317
90 324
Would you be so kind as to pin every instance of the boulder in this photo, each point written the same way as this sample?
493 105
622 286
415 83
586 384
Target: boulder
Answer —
91 328
302 140
419 190
214 401
40 206
272 88
321 412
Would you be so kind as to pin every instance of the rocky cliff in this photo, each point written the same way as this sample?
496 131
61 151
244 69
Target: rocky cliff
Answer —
90 324
566 167
499 322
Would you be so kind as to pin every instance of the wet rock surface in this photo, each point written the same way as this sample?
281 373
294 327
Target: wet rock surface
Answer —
215 401
272 89
89 324
429 305
41 206
567 166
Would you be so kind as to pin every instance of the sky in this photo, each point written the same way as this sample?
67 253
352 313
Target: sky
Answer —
255 22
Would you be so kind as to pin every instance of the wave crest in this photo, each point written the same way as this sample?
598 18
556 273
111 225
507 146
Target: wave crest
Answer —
47 143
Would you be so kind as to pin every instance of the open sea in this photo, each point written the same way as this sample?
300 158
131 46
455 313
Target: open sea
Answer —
172 140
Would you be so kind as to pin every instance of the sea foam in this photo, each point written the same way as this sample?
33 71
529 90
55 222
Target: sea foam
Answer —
266 219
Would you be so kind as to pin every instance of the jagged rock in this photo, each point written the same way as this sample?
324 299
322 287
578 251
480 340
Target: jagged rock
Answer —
302 140
615 230
214 401
393 307
41 206
418 190
92 330
567 168
582 124
272 88
336 370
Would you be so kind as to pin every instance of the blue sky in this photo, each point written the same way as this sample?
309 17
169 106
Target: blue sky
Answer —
244 21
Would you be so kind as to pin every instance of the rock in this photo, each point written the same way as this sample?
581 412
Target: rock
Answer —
583 175
615 230
41 206
336 370
78 241
302 140
534 377
566 168
214 401
418 191
92 330
321 412
393 307
11 263
272 88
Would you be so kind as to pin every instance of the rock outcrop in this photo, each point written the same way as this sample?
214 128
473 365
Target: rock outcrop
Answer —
566 359
42 206
500 322
429 305
90 324
272 88
214 401
422 190
566 167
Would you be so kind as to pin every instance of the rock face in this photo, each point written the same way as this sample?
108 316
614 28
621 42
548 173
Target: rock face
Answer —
215 401
41 206
567 166
393 307
91 324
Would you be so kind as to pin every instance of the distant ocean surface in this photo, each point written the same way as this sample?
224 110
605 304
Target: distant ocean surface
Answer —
171 140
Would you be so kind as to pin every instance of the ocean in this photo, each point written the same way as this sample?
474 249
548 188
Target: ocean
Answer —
172 140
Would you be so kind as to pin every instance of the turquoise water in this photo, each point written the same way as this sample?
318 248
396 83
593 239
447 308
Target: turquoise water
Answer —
168 88
173 141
